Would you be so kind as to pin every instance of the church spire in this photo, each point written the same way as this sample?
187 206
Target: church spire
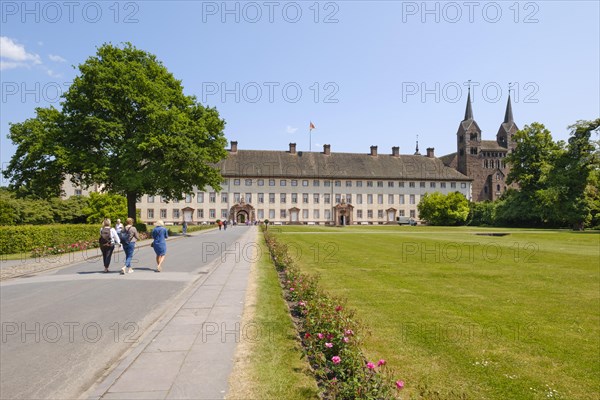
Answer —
508 115
469 110
417 148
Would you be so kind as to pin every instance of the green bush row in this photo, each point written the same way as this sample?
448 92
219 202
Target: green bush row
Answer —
26 238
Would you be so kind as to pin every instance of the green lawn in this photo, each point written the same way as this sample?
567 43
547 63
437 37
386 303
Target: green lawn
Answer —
459 314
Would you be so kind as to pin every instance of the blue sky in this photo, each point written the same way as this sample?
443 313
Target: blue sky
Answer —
365 73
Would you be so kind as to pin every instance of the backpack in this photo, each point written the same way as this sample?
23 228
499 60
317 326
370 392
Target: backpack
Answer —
124 236
105 239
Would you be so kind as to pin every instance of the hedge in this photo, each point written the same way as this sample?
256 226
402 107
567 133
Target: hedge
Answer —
27 238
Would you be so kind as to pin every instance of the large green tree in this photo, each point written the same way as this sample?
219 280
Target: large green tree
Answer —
125 124
444 209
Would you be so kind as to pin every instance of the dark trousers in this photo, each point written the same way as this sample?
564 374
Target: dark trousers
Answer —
106 254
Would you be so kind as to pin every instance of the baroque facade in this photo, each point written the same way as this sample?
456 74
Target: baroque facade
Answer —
330 188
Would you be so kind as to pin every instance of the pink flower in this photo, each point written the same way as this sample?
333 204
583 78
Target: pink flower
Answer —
349 332
320 335
345 339
291 289
399 384
370 365
330 345
337 360
381 362
338 308
306 335
301 303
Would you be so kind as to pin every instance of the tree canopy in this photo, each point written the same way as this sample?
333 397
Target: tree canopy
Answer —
125 124
444 209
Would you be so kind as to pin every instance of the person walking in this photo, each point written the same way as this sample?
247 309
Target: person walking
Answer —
118 226
160 235
225 225
184 228
108 239
129 235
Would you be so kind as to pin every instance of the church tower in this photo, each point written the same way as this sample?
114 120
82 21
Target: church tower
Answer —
507 128
468 139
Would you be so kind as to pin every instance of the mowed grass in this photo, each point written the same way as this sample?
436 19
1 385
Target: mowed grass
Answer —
458 314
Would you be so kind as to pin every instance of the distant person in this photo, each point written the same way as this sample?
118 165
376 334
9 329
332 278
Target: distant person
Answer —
225 225
129 235
220 224
184 227
108 239
118 226
160 235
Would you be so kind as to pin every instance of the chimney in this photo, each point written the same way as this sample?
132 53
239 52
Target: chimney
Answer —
396 151
292 148
373 150
327 149
234 147
430 152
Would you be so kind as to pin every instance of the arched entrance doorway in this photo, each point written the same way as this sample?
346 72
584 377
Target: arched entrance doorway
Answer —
343 213
242 213
242 217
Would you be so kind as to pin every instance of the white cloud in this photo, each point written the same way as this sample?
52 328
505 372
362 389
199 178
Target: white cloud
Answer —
12 52
289 129
56 58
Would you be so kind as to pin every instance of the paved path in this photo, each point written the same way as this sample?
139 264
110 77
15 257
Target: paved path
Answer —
140 336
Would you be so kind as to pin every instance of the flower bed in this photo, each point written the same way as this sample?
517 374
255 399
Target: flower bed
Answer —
331 336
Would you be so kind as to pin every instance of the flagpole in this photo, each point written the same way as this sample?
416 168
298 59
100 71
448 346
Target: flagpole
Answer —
309 139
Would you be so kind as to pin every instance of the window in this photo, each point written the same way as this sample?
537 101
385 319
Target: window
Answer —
348 183
473 150
369 199
78 192
224 213
358 183
261 198
359 199
380 184
411 199
413 214
271 198
327 183
200 197
338 183
422 184
212 213
390 199
390 184
304 198
225 182
370 214
411 184
150 199
338 198
271 182
401 184
497 188
237 197
328 215
380 214
176 213
327 198
294 182
432 185
260 182
271 213
212 197
316 198
443 185
163 213
294 198
316 182
304 214
305 182
260 214
463 185
224 197
282 182
282 214
369 183
282 198
401 199
248 198
200 213
379 199
453 185
358 214
316 214
401 213
236 182
150 213
188 198
349 198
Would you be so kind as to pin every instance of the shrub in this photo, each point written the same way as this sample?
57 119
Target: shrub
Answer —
47 239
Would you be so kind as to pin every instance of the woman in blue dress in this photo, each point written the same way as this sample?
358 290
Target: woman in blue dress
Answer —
160 235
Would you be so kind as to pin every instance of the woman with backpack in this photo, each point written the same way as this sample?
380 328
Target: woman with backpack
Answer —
108 238
129 235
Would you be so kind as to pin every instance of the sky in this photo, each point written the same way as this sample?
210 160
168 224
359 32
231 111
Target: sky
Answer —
364 72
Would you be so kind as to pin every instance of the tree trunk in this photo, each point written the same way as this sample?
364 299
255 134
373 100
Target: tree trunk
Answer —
131 210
